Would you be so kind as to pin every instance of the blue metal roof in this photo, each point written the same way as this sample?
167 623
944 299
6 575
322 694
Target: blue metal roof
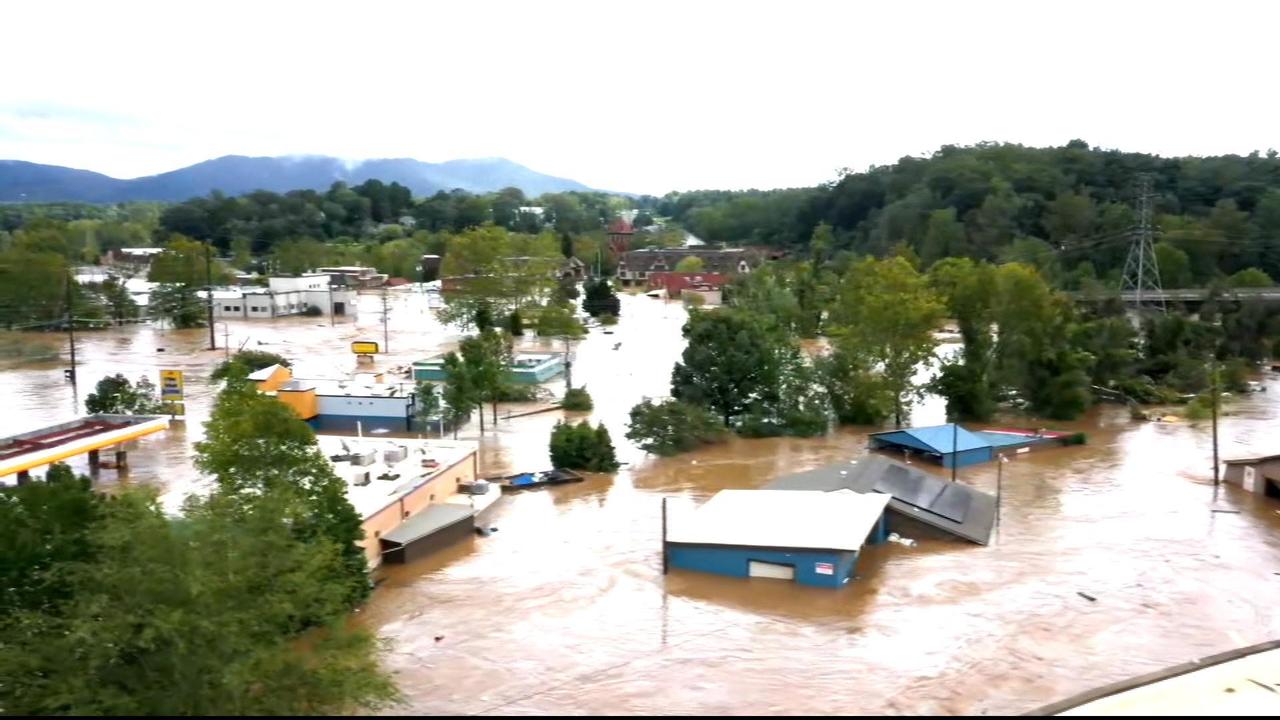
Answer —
935 438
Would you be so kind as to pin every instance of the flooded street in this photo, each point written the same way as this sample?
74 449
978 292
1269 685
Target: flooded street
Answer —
565 608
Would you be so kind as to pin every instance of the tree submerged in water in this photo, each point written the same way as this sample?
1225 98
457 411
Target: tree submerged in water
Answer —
582 447
115 395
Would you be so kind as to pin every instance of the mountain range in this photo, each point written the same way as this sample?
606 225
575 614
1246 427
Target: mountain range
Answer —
22 181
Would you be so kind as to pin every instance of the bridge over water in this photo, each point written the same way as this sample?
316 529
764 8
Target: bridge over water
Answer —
1186 295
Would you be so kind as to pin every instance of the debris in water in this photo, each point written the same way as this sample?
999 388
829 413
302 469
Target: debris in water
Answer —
1233 512
439 638
905 542
1087 596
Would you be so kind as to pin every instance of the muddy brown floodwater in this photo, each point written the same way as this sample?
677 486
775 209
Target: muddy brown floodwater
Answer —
565 608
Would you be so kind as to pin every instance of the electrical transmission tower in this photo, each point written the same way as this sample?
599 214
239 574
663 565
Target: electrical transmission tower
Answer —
1141 273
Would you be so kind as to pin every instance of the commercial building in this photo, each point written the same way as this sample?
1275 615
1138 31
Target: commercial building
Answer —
390 482
676 284
366 402
813 538
285 296
635 266
919 502
355 276
526 368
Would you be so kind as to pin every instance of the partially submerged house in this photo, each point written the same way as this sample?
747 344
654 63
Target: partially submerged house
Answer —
952 443
1260 474
914 495
813 538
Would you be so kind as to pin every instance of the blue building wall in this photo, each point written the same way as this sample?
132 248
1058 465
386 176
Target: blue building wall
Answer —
733 561
965 458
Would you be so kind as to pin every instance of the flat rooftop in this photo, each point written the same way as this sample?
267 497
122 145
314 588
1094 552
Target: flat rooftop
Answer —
814 520
369 499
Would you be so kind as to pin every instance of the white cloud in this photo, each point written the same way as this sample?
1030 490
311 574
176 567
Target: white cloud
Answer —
646 96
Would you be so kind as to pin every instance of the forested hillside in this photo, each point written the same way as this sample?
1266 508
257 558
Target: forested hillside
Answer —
1063 209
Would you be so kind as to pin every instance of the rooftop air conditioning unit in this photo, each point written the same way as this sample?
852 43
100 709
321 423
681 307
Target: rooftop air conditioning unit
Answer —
396 454
360 479
364 457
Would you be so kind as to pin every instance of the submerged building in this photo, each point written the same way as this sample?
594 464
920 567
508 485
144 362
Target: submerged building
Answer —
413 496
813 538
952 444
365 402
916 497
526 368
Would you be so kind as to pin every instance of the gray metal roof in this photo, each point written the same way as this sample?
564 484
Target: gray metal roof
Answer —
958 509
431 519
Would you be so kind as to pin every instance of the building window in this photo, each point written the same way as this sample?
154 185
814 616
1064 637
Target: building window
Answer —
406 513
377 534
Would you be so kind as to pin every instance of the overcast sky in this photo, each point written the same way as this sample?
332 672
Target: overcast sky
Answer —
639 96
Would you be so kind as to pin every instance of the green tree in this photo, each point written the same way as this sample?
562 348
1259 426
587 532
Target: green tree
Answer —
690 264
186 262
730 362
671 427
580 447
115 395
600 299
764 295
969 292
460 394
944 236
1174 266
515 324
576 400
1250 278
256 446
43 525
886 313
192 617
487 358
427 403
245 362
179 305
120 304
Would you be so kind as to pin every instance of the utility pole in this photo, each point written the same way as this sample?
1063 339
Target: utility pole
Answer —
208 291
71 334
386 336
331 321
1213 385
1000 461
568 366
955 451
1141 272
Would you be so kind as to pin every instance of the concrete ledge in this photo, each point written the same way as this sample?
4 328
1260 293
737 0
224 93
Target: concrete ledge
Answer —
1151 678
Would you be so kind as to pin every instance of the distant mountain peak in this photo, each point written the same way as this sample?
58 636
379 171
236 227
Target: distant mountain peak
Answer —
22 181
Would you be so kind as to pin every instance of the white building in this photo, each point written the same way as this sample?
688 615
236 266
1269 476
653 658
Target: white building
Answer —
285 296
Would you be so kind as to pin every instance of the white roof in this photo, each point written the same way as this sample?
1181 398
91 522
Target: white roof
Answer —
142 251
839 520
369 499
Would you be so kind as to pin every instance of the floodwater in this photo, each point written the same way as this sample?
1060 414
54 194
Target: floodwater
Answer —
565 608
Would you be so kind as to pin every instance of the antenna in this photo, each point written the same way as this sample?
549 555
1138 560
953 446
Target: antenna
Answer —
1141 273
